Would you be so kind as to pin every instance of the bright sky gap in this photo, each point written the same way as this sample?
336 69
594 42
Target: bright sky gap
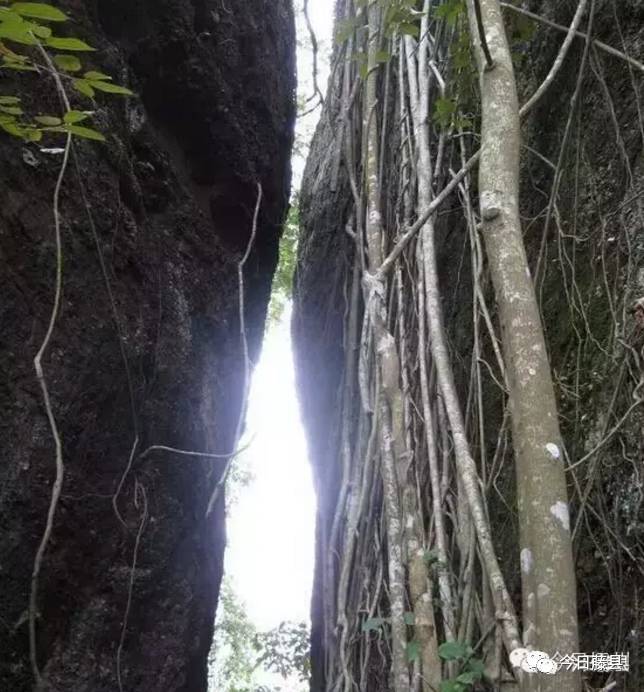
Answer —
270 527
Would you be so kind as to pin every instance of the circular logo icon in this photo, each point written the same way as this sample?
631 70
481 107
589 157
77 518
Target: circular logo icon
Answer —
533 661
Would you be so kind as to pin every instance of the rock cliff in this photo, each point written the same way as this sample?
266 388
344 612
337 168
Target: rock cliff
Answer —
591 276
147 353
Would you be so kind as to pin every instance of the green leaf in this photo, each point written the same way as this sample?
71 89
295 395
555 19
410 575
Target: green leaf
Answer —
85 132
461 52
16 57
96 75
475 665
10 56
40 31
430 556
372 624
468 677
413 650
39 10
19 67
84 87
109 87
67 63
9 100
72 117
33 134
524 28
452 651
6 15
383 56
11 110
18 33
409 618
409 29
346 27
450 11
68 44
12 128
452 686
444 109
48 120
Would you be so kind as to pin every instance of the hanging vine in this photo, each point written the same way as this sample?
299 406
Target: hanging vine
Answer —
414 595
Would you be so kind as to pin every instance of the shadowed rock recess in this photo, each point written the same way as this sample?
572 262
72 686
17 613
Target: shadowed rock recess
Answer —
600 200
171 195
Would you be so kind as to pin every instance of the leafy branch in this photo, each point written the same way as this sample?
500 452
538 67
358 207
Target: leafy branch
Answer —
26 24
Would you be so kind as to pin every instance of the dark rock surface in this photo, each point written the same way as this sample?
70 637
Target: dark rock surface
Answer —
600 201
171 195
317 332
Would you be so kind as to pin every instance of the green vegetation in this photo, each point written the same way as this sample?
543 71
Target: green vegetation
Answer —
241 653
233 661
471 669
283 279
26 39
285 650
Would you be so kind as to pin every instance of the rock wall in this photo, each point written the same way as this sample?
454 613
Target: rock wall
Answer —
594 337
170 199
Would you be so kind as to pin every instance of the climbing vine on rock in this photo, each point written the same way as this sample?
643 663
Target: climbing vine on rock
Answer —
428 434
28 44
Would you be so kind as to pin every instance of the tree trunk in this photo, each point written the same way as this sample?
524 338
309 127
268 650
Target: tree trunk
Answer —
389 402
548 580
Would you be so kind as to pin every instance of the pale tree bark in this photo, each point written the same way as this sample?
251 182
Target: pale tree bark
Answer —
465 464
428 675
390 402
548 580
419 87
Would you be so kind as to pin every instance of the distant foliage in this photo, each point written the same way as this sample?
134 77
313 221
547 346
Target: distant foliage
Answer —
283 279
26 44
285 650
241 653
233 662
239 477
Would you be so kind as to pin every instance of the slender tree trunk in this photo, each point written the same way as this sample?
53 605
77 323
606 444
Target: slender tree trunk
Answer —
548 580
390 402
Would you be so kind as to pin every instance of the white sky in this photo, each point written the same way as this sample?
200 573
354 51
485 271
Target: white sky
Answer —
270 529
321 16
269 557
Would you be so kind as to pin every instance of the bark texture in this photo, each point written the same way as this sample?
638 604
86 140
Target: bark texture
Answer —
594 236
172 196
548 581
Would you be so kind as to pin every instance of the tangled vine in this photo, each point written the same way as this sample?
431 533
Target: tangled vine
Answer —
419 586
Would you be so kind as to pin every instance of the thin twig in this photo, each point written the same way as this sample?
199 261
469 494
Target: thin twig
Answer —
481 29
121 482
187 453
314 48
119 333
561 55
244 342
60 467
138 489
578 34
606 437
